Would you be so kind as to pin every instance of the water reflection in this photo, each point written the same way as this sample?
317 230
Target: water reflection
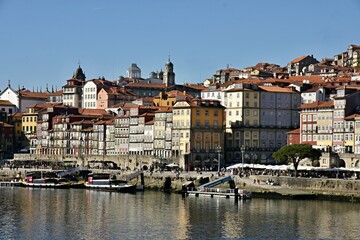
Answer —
83 214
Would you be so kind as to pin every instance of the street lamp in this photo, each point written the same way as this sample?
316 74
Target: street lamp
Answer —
218 149
242 158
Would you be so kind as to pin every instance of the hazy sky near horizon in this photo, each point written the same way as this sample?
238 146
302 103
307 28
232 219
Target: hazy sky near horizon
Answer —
42 41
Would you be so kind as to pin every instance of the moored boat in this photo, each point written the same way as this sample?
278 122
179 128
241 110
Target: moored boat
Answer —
45 180
103 181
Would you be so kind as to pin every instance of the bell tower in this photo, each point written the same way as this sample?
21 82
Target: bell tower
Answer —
169 75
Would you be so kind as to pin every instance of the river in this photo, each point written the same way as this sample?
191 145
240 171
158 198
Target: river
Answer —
27 213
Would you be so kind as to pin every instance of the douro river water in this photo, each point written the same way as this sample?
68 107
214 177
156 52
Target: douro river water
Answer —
27 213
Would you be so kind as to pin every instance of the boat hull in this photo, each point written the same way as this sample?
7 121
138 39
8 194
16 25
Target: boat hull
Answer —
126 188
46 185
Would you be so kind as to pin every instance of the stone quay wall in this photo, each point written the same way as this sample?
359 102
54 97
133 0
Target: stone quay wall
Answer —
326 184
122 161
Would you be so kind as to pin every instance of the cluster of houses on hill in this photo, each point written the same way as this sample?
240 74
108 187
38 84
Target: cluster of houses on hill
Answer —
237 115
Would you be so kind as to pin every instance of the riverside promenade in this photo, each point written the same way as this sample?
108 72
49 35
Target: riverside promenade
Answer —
286 187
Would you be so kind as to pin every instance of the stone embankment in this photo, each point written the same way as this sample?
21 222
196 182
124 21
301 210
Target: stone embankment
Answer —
285 187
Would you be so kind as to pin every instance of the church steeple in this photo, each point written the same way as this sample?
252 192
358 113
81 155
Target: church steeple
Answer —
169 75
79 74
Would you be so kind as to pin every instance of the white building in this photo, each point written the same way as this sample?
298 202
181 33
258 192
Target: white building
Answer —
23 98
89 96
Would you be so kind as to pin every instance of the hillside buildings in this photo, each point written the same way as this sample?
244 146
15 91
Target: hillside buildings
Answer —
241 113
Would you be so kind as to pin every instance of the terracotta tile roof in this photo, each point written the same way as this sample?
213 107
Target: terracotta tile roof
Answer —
6 103
299 59
149 107
57 93
176 93
164 109
97 112
252 81
83 121
195 86
27 94
110 121
147 115
311 79
276 89
295 131
147 99
277 80
318 104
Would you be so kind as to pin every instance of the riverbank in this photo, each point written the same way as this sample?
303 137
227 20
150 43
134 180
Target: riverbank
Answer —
286 188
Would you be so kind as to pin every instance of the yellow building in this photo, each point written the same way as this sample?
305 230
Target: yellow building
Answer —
30 123
168 99
198 132
324 125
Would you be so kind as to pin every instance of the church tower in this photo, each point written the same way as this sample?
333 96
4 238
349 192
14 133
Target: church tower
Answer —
79 74
169 75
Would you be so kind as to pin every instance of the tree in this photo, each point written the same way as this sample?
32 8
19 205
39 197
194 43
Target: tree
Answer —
295 153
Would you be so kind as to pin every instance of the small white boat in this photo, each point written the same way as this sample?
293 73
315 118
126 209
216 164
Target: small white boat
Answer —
103 181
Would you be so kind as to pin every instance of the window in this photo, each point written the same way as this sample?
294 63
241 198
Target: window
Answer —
206 123
215 124
216 113
206 112
197 112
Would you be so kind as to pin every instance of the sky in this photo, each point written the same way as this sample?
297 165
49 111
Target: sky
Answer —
43 41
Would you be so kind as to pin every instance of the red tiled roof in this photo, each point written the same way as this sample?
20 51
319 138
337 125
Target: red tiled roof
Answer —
295 131
28 94
57 93
195 86
6 103
311 79
97 112
276 89
299 59
318 104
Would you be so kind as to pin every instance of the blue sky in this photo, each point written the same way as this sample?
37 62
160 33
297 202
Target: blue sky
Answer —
42 41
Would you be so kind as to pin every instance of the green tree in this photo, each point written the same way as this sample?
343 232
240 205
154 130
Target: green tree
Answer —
295 153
